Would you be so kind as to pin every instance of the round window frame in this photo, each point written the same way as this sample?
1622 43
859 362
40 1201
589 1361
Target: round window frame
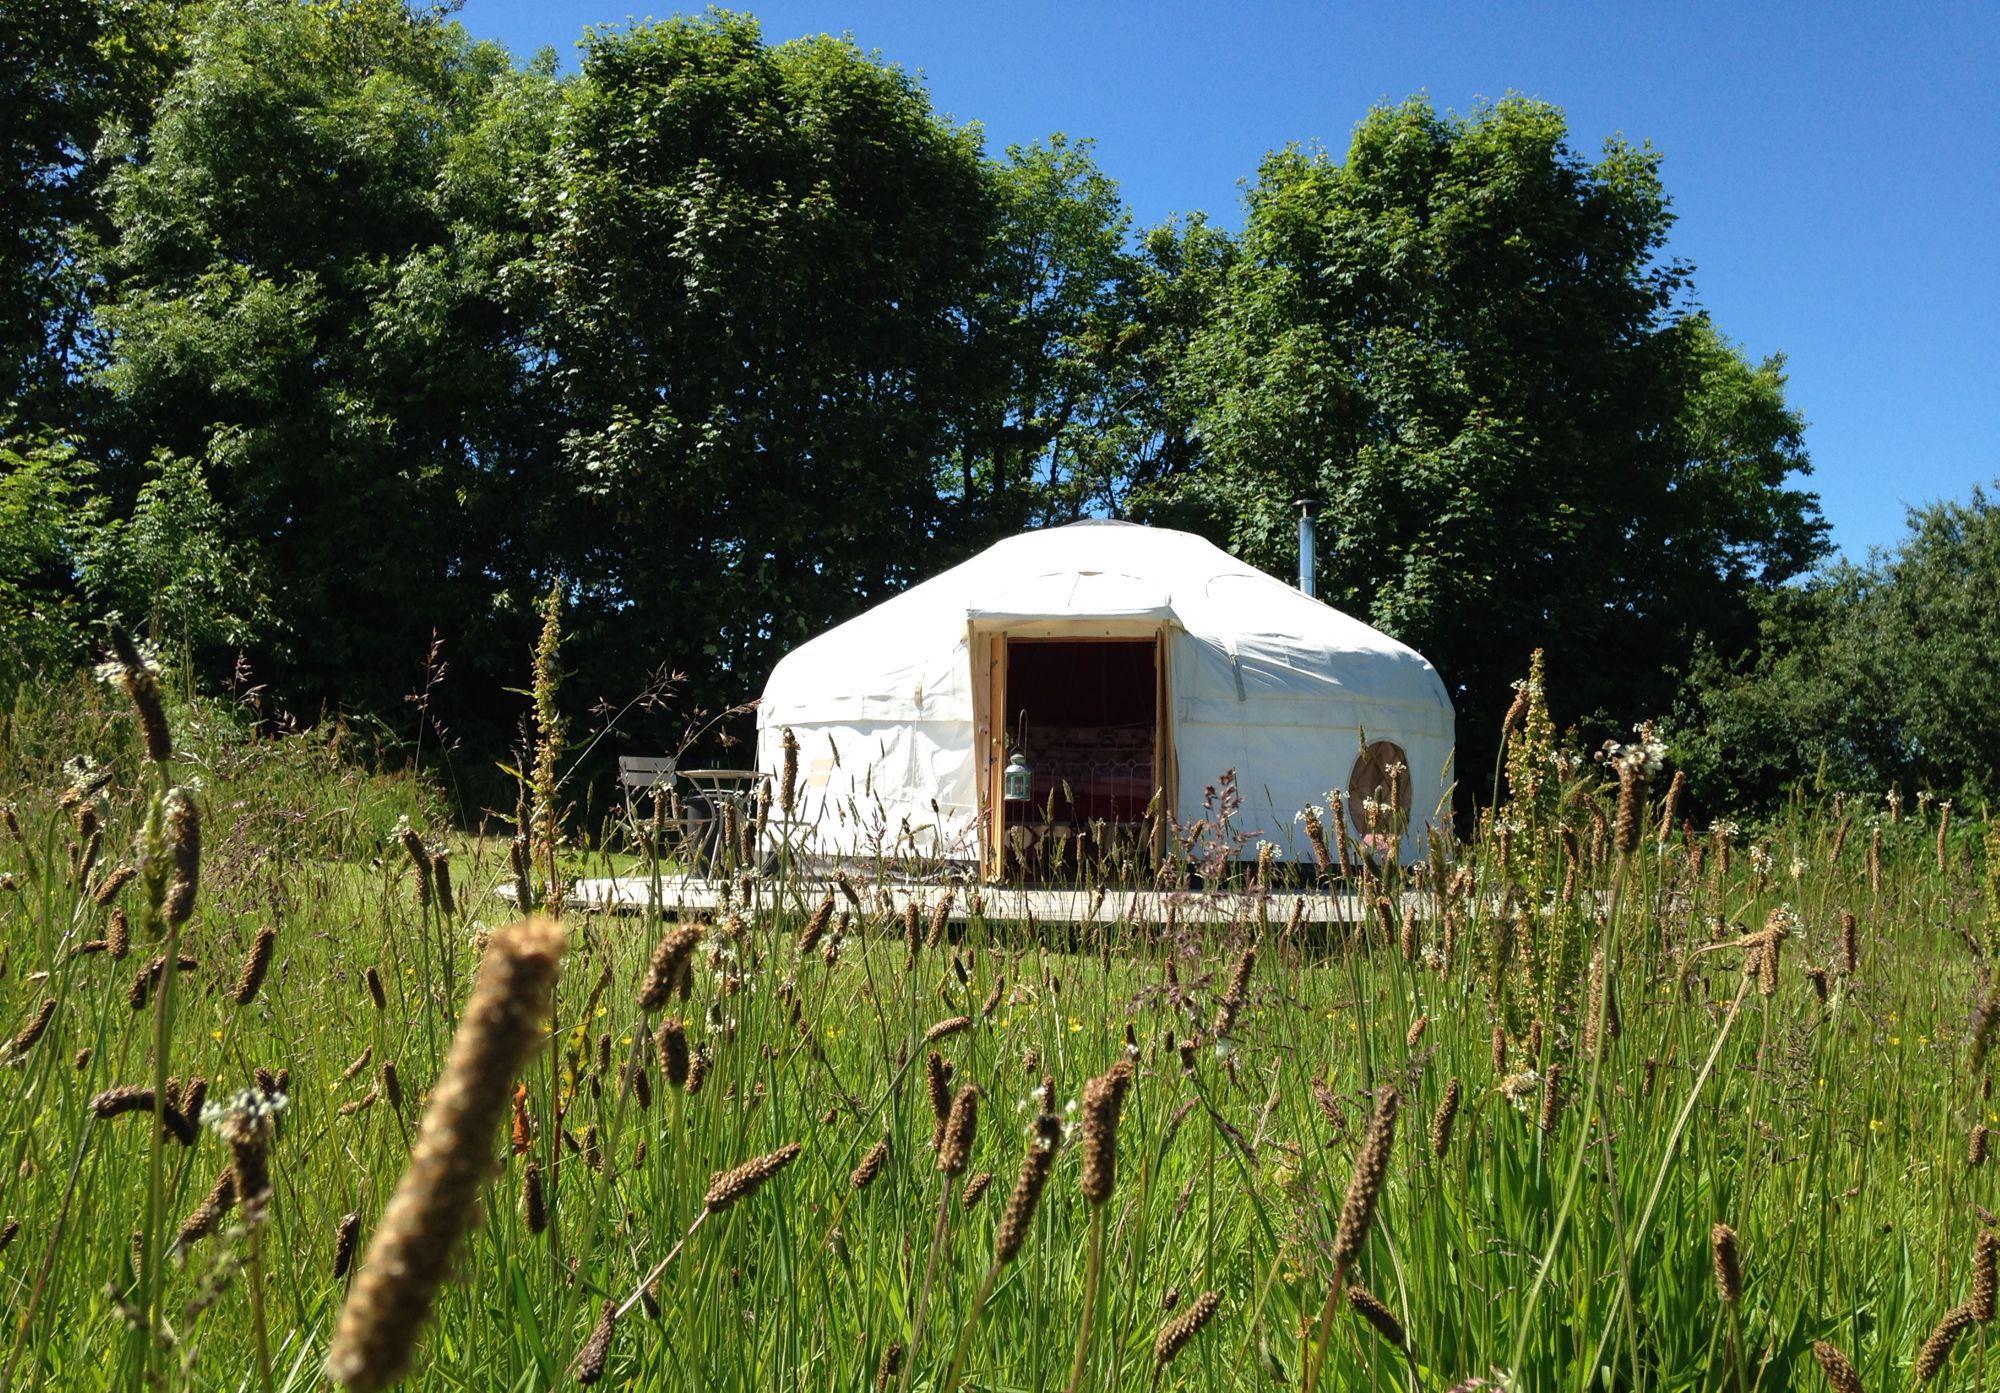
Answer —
1369 776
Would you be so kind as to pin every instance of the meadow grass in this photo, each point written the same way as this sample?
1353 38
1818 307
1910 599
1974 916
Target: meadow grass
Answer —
1641 1045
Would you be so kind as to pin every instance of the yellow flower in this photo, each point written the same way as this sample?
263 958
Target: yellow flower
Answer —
1875 1124
1895 1039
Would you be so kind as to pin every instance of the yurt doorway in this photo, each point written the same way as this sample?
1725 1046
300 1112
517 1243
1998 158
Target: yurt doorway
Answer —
1084 714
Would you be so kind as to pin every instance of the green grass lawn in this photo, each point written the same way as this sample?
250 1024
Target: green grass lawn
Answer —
1556 1233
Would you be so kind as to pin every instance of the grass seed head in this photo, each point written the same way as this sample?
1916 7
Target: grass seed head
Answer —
345 1235
1442 1119
1985 1251
870 1167
1176 1333
1371 1309
32 1031
728 1187
596 1351
672 1044
669 968
1943 1339
1028 1185
141 685
1103 1098
1371 1170
960 1128
256 962
1839 1370
1728 1264
503 1023
183 856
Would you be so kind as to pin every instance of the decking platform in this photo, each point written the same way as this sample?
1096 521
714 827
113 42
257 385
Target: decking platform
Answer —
681 897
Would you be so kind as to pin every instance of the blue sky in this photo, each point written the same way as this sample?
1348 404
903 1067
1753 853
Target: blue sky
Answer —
1836 168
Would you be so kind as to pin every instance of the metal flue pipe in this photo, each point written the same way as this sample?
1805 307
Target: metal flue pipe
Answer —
1308 510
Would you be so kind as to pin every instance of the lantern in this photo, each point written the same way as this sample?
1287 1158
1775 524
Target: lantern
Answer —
1016 781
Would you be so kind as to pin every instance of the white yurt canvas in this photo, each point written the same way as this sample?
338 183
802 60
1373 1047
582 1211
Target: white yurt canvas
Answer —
1112 660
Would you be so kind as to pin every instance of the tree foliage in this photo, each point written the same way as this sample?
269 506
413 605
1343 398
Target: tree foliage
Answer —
1462 340
1870 676
357 332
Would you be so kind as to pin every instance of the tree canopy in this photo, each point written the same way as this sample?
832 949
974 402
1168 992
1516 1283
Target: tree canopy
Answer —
1462 339
332 330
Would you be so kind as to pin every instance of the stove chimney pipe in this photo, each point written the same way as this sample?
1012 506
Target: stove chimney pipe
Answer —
1308 510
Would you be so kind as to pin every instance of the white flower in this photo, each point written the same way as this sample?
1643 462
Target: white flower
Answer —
253 1104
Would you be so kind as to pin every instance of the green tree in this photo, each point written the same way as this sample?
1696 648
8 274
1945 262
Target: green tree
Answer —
1863 677
46 512
173 568
1463 340
762 263
78 79
320 292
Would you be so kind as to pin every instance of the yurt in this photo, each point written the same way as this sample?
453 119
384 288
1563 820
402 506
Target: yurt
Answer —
1103 676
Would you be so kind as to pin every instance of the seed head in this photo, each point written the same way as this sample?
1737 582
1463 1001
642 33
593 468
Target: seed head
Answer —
1441 1120
596 1351
1631 788
503 1023
727 1187
815 928
1027 1192
420 861
788 785
672 1043
891 1365
246 1123
1839 1370
135 675
108 888
1370 1308
207 1215
871 1165
124 1098
946 1028
345 1234
1103 1097
960 1127
1937 1349
1371 1169
669 968
1985 1250
1552 1098
937 1080
26 1037
183 856
256 962
1728 1266
441 880
534 1199
1175 1334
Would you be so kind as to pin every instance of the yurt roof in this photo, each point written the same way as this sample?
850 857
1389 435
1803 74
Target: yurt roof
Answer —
904 658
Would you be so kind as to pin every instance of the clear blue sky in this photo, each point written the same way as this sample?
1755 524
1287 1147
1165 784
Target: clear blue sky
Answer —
1836 168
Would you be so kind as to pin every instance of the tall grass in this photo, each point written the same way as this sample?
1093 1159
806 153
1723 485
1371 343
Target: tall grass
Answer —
1681 1012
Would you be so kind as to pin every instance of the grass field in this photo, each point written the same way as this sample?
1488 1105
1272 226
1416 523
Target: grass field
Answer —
1742 1054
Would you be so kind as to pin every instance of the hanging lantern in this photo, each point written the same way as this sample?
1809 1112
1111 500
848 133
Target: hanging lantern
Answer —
1016 782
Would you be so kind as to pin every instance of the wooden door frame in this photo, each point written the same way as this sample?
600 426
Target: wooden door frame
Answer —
987 648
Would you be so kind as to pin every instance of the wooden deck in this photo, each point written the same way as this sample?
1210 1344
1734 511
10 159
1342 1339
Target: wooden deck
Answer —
684 896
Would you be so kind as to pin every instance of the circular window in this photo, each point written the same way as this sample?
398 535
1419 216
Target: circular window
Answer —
1378 791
